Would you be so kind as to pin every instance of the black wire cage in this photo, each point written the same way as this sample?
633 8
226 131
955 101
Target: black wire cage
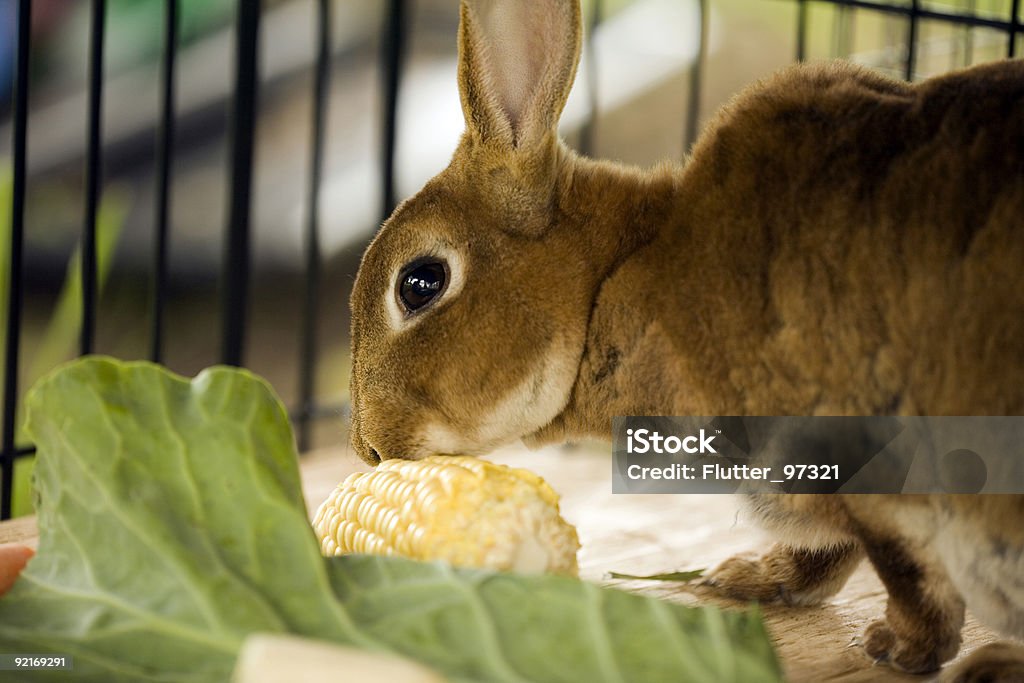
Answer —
905 46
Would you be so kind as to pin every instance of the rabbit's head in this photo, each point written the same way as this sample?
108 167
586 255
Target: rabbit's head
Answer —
471 304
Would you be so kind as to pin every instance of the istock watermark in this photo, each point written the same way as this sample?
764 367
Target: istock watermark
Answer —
664 454
646 441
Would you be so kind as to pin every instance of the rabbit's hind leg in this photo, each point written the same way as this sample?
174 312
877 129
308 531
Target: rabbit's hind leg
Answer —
924 613
994 663
786 574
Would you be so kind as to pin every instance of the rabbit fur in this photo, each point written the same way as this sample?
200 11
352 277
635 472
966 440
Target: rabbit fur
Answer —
838 243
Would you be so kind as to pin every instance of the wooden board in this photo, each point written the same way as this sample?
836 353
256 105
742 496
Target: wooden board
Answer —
646 534
21 530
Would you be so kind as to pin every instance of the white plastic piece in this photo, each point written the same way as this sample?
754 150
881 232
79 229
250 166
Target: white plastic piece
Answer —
275 658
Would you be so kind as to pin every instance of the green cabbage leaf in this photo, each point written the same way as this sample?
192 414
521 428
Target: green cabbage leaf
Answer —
172 526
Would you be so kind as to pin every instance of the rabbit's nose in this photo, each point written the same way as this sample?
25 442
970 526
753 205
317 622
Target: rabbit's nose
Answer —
366 452
369 454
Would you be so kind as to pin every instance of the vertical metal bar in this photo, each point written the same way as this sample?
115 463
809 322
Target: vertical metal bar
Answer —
14 290
1011 49
963 52
587 132
235 284
838 18
851 32
93 175
908 72
307 363
696 76
892 27
801 31
165 147
393 49
969 36
843 31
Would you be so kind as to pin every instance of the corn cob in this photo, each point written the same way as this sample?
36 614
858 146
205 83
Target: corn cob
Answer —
463 510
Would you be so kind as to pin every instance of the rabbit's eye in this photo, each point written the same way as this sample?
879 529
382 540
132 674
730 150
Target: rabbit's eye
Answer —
421 283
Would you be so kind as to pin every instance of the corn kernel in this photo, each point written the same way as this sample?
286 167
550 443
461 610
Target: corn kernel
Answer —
462 510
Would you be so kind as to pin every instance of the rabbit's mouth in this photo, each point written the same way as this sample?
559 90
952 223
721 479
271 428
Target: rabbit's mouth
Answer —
373 450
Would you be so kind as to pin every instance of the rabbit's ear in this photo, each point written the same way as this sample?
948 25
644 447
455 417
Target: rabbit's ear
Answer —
517 61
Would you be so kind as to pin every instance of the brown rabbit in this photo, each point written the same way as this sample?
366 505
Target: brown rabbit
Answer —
839 243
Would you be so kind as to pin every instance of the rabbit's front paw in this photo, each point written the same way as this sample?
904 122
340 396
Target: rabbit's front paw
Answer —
792 576
994 663
916 653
